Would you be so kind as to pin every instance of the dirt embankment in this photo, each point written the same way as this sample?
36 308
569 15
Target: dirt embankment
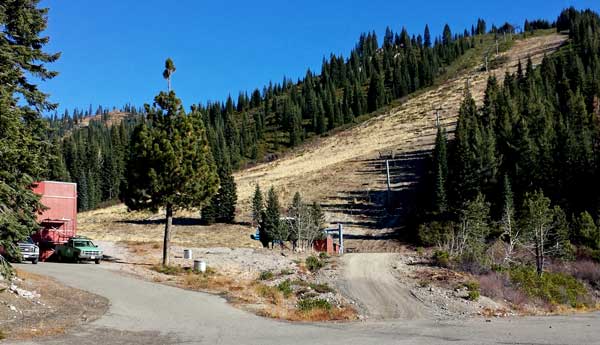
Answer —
33 306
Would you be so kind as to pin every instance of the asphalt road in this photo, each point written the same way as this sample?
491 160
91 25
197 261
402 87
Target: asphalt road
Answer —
148 313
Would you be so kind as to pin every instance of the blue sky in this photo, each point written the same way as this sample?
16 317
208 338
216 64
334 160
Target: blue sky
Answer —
113 51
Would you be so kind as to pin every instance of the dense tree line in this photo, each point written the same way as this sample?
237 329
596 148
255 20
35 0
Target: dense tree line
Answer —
261 124
528 158
283 115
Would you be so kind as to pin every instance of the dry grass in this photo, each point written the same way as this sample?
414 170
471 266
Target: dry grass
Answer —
116 224
328 168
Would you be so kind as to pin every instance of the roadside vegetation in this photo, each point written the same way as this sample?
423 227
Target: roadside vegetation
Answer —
513 197
291 294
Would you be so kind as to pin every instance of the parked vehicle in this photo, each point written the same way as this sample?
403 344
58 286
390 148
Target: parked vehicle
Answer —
79 249
29 251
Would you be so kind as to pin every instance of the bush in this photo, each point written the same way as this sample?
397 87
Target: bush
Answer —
286 272
420 251
286 288
587 270
323 256
473 295
310 304
497 285
441 258
551 287
265 275
313 263
321 288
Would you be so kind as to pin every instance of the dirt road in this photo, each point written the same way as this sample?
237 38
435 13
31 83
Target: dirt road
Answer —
148 313
369 280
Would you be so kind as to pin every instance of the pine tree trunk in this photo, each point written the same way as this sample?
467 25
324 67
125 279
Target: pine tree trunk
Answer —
167 240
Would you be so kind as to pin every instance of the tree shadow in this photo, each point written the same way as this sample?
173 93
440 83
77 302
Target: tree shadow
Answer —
378 208
178 221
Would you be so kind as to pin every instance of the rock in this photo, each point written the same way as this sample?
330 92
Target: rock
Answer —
13 308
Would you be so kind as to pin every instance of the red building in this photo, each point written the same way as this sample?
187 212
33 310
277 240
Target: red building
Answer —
59 220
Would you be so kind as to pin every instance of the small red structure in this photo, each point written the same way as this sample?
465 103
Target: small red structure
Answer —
326 245
59 220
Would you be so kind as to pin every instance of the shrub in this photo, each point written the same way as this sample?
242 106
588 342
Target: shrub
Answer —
420 251
286 288
323 256
497 285
472 285
310 304
441 258
473 295
286 272
313 263
265 275
587 270
321 288
551 287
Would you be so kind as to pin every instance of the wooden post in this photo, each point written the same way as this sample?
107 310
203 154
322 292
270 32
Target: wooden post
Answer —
389 190
341 237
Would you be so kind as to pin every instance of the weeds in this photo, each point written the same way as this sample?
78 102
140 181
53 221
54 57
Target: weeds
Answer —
265 275
309 304
168 270
286 288
321 288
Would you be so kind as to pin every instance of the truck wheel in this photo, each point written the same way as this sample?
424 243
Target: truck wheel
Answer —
34 261
97 261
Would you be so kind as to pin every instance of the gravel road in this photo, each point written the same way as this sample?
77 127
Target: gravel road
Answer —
142 312
368 279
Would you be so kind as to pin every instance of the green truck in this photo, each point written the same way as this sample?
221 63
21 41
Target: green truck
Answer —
79 249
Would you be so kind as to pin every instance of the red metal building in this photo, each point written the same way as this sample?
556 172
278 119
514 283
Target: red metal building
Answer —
59 221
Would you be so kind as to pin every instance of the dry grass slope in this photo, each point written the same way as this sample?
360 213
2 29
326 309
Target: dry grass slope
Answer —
344 171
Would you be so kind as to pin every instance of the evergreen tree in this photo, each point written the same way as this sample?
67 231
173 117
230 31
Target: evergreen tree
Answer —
24 151
271 224
257 205
440 169
171 164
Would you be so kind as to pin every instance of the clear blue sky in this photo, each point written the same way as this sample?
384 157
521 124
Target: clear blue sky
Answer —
113 51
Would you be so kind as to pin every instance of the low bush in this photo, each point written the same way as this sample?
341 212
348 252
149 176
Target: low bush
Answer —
441 258
323 256
309 304
286 272
321 288
313 263
551 287
586 270
473 295
265 275
286 288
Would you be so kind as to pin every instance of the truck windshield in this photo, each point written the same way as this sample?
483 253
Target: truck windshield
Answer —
83 244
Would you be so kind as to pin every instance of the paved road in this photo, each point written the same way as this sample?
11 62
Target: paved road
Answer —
148 313
368 279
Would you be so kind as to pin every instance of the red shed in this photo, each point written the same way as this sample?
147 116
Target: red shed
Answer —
59 221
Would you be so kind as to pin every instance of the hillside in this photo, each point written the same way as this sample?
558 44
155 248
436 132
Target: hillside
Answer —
342 171
345 171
